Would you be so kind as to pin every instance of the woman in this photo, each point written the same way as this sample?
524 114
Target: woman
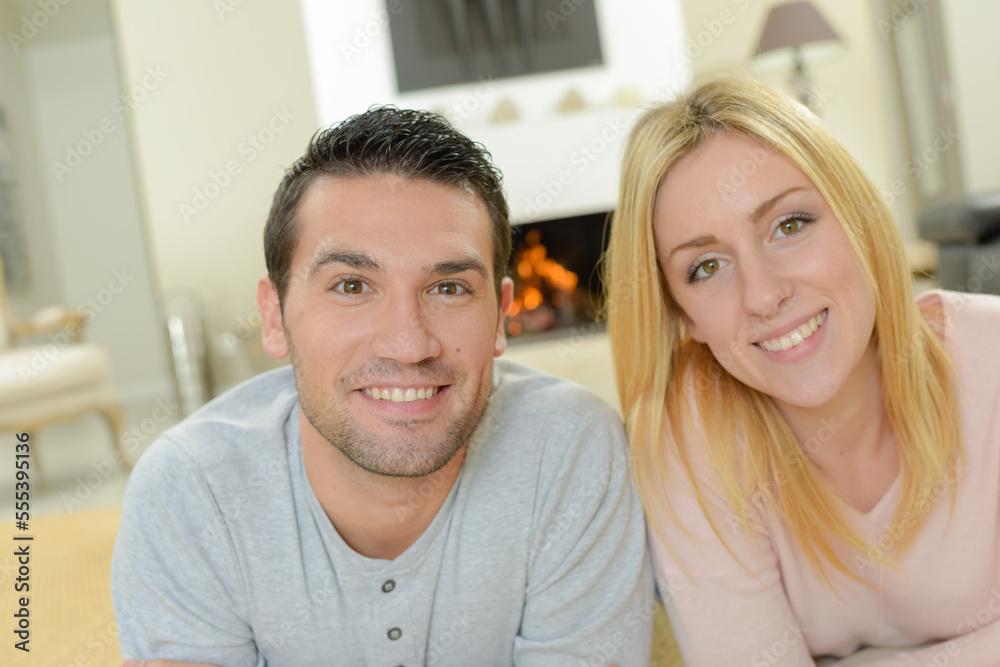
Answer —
818 454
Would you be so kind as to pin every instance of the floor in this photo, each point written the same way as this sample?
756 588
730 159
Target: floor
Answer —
582 357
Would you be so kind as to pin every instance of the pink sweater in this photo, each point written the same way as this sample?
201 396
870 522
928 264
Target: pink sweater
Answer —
945 597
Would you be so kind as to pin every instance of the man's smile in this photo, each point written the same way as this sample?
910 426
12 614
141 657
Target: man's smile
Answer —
401 394
405 401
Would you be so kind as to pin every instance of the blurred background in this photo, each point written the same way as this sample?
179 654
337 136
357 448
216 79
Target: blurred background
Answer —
140 143
141 140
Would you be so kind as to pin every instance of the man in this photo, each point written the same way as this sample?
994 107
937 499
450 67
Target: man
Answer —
396 497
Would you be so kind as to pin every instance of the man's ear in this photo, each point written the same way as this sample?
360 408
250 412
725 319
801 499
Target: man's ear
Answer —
272 332
506 299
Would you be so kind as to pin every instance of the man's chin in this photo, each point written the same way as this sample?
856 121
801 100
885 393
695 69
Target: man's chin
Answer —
405 450
406 473
403 466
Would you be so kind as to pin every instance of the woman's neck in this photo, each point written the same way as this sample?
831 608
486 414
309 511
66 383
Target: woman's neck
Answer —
850 439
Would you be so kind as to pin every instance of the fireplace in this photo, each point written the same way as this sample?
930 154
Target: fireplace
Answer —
556 284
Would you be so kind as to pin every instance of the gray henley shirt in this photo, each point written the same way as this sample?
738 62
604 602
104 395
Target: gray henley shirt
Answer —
537 557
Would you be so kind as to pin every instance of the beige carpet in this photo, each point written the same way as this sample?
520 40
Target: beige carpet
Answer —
72 622
70 598
665 652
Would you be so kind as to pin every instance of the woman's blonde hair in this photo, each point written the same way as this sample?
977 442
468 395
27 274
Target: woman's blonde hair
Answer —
675 394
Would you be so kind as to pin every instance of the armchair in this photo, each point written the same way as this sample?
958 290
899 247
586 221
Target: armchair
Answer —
60 379
967 231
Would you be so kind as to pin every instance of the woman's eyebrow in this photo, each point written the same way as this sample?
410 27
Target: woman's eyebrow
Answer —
767 205
696 242
758 213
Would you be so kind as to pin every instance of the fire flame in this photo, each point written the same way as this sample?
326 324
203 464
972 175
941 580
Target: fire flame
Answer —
539 274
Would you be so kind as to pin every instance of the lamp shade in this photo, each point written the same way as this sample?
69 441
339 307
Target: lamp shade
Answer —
794 24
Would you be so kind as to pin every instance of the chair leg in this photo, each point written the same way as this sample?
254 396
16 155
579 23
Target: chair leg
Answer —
116 420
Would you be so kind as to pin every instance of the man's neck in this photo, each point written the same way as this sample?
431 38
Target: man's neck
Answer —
377 516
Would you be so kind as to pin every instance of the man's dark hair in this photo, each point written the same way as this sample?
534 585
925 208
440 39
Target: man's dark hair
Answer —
386 140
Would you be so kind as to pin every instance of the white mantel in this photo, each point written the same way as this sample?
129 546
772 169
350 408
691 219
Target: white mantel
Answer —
555 164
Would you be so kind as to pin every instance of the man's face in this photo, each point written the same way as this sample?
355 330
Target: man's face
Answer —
391 318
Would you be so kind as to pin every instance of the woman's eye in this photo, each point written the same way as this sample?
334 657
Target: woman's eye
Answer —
793 224
702 270
789 227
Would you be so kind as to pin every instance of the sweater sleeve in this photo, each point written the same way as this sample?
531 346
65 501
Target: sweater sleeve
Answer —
589 597
726 606
977 648
175 583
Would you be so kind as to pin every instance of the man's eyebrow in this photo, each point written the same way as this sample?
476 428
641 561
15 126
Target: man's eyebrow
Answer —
767 205
450 267
696 242
353 259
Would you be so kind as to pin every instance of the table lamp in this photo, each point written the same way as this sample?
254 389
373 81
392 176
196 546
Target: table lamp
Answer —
800 27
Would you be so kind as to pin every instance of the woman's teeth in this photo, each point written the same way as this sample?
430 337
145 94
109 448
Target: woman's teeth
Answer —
400 395
795 336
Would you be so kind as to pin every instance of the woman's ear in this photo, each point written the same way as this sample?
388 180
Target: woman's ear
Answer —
690 326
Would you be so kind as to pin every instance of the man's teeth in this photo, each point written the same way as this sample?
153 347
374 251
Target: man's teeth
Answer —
400 395
795 336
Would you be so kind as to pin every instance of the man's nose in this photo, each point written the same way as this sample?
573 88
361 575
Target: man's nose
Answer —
405 331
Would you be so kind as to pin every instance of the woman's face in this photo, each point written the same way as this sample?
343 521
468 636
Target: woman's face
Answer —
764 273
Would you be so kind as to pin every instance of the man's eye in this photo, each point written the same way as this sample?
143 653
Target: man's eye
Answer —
350 287
449 288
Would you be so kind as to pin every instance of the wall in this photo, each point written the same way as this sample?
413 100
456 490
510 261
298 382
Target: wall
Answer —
234 110
974 62
14 99
89 227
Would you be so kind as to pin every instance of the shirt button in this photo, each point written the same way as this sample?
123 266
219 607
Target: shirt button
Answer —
395 633
388 586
